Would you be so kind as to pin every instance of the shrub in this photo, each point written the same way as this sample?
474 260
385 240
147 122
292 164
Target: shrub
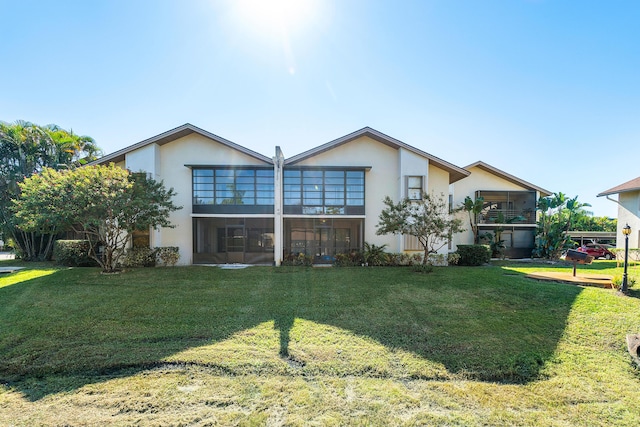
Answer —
453 258
422 268
437 259
374 255
168 255
300 259
616 282
474 255
350 259
415 259
140 257
73 253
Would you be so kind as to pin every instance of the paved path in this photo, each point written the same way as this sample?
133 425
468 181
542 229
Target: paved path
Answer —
585 279
6 255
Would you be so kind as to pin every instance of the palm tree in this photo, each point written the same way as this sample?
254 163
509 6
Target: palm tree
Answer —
473 207
25 149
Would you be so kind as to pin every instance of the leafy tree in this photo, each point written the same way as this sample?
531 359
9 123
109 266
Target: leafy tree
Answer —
473 208
557 216
584 221
25 149
428 219
103 203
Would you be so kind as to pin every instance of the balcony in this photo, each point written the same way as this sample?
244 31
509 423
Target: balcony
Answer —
507 207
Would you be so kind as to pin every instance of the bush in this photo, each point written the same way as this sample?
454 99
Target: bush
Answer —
73 253
140 257
300 259
616 282
453 258
350 259
168 255
474 255
422 268
375 255
439 260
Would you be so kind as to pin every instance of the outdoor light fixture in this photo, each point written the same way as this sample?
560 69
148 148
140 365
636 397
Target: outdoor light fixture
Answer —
626 230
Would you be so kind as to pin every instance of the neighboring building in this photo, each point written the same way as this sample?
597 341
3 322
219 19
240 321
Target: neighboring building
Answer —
509 205
628 210
240 206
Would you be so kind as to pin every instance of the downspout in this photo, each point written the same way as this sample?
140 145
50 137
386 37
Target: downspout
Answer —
613 200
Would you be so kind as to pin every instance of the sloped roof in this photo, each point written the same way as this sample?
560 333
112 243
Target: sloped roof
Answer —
172 135
508 177
455 173
633 185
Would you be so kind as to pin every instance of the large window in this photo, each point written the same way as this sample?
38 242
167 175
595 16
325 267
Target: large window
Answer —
232 190
328 192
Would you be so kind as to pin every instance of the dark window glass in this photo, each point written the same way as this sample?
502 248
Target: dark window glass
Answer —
227 186
321 191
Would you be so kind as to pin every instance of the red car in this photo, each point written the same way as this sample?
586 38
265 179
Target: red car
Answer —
597 250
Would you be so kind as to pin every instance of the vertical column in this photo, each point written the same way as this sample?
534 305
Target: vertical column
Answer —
278 163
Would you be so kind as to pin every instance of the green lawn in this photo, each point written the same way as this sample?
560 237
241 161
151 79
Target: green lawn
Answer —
315 346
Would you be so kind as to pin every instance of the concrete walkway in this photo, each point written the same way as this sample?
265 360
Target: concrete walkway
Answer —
6 255
584 279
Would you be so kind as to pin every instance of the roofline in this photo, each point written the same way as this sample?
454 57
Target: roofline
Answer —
172 135
622 188
609 192
511 178
455 173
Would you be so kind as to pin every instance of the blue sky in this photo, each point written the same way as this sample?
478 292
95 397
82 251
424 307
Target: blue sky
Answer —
546 90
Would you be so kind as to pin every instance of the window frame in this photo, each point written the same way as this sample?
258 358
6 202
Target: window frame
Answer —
410 190
324 191
210 191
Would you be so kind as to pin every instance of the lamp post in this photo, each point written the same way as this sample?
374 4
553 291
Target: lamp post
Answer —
626 230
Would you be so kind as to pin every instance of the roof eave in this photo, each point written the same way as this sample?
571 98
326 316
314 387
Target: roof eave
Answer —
172 135
511 178
455 173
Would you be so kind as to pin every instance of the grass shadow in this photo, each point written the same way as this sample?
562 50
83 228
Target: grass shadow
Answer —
77 326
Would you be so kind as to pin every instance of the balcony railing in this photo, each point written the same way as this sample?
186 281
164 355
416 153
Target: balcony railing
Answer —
505 216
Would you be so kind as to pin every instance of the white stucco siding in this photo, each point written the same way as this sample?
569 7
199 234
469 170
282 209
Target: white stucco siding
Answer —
381 180
145 159
387 177
438 182
168 162
629 213
411 164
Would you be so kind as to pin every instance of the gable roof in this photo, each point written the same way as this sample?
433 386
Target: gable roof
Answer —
172 135
455 173
633 185
508 177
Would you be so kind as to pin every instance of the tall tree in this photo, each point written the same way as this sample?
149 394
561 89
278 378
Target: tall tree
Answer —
557 215
428 219
25 149
103 203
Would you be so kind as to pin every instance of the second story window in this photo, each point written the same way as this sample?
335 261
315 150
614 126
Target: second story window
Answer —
228 190
323 192
415 187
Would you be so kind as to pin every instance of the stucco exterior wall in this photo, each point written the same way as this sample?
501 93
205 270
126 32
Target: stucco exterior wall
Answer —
389 168
169 162
383 179
145 159
629 213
